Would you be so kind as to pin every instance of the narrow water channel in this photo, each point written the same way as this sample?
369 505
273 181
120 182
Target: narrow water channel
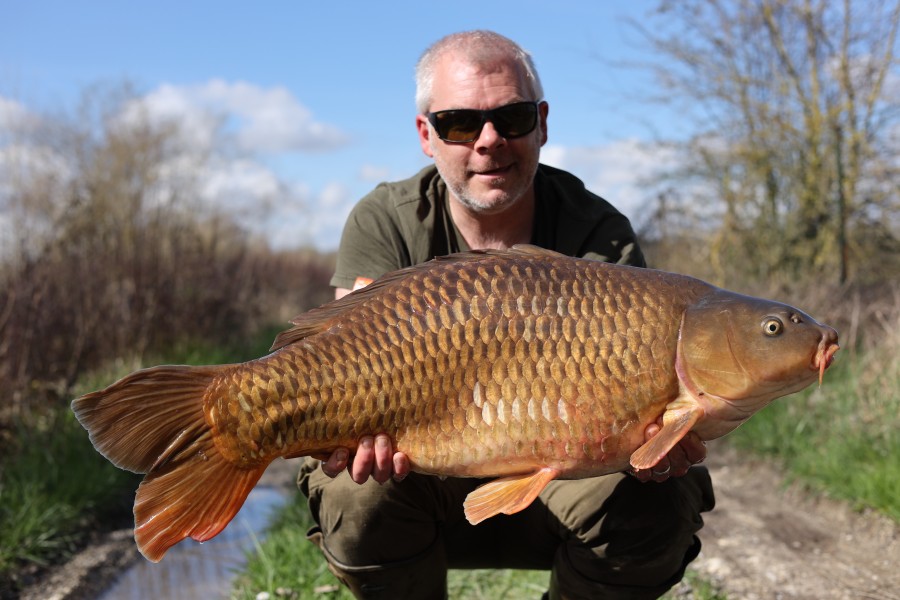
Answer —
192 570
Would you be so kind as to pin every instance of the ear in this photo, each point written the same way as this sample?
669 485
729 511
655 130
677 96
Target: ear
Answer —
543 110
424 129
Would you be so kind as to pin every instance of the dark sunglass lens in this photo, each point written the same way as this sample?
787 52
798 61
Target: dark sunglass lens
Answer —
458 125
515 120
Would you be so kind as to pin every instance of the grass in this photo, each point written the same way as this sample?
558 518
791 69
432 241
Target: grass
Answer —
840 439
54 487
286 560
51 487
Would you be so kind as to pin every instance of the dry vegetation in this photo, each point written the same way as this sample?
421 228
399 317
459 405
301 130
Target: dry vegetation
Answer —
109 255
790 173
109 261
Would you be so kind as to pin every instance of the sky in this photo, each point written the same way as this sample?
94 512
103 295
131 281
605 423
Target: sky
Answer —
318 97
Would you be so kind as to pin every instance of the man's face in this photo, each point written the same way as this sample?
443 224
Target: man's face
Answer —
492 173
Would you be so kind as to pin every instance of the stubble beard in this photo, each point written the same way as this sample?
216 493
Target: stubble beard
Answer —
476 204
480 205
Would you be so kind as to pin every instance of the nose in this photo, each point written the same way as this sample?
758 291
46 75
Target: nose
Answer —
489 137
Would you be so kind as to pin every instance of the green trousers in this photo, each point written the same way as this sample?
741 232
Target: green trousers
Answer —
604 537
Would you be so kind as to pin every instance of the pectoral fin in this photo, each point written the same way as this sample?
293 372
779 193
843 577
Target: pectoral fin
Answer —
671 433
507 495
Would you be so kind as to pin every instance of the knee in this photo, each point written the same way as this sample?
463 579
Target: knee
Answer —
643 532
664 510
370 524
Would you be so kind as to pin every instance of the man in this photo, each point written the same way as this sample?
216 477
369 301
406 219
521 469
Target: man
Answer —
483 120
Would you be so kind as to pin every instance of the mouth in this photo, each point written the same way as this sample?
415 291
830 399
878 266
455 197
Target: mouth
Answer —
824 356
495 172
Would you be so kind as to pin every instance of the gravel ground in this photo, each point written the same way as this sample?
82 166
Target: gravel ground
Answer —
763 541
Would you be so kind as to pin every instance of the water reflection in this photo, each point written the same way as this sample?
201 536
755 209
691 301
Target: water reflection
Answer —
191 570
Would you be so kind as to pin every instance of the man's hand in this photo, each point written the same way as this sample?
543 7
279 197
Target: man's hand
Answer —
689 451
375 458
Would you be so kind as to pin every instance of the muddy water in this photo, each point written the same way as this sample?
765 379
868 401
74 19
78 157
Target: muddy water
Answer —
191 570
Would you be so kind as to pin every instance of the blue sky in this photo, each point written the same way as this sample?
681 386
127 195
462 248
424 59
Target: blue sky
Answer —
320 95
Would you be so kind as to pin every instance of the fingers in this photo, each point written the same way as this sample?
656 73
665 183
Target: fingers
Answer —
375 458
675 465
401 466
336 463
689 451
384 459
364 460
642 475
662 470
658 473
694 448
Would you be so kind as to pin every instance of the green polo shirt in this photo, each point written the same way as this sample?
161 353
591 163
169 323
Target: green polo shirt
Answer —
404 223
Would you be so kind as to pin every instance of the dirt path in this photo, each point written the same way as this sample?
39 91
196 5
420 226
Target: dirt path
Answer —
763 541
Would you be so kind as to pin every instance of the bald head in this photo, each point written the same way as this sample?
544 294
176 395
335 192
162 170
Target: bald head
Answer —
479 48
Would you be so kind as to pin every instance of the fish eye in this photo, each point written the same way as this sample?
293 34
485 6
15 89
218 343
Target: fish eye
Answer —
772 326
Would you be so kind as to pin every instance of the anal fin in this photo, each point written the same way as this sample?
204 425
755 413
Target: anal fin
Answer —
194 494
507 495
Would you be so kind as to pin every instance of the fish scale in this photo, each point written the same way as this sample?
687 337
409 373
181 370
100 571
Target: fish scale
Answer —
524 365
508 355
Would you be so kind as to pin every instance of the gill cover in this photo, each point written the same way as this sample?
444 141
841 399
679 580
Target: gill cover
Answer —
746 351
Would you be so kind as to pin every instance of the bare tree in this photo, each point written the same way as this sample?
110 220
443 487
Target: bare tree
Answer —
111 254
798 107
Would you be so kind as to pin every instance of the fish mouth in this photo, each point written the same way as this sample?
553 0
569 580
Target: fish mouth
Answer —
824 355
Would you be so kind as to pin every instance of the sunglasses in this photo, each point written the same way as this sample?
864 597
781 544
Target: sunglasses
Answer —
464 125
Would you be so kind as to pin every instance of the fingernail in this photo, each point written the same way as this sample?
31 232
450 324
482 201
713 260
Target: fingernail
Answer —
341 454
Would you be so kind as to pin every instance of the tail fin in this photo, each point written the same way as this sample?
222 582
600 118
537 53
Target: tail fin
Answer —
152 422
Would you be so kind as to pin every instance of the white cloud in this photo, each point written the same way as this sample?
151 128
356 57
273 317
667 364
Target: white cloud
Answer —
621 172
262 120
305 218
21 215
206 170
198 123
285 214
373 174
258 121
240 185
11 112
16 121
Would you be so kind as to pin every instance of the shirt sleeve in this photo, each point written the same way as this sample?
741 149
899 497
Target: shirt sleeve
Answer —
371 243
613 240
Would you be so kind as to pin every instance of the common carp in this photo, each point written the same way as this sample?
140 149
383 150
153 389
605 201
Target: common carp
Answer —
524 364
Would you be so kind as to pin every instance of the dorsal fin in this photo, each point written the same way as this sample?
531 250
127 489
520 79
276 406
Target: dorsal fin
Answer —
537 251
518 250
319 319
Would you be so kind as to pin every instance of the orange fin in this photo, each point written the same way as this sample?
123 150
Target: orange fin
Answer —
144 416
152 422
671 433
507 495
193 494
